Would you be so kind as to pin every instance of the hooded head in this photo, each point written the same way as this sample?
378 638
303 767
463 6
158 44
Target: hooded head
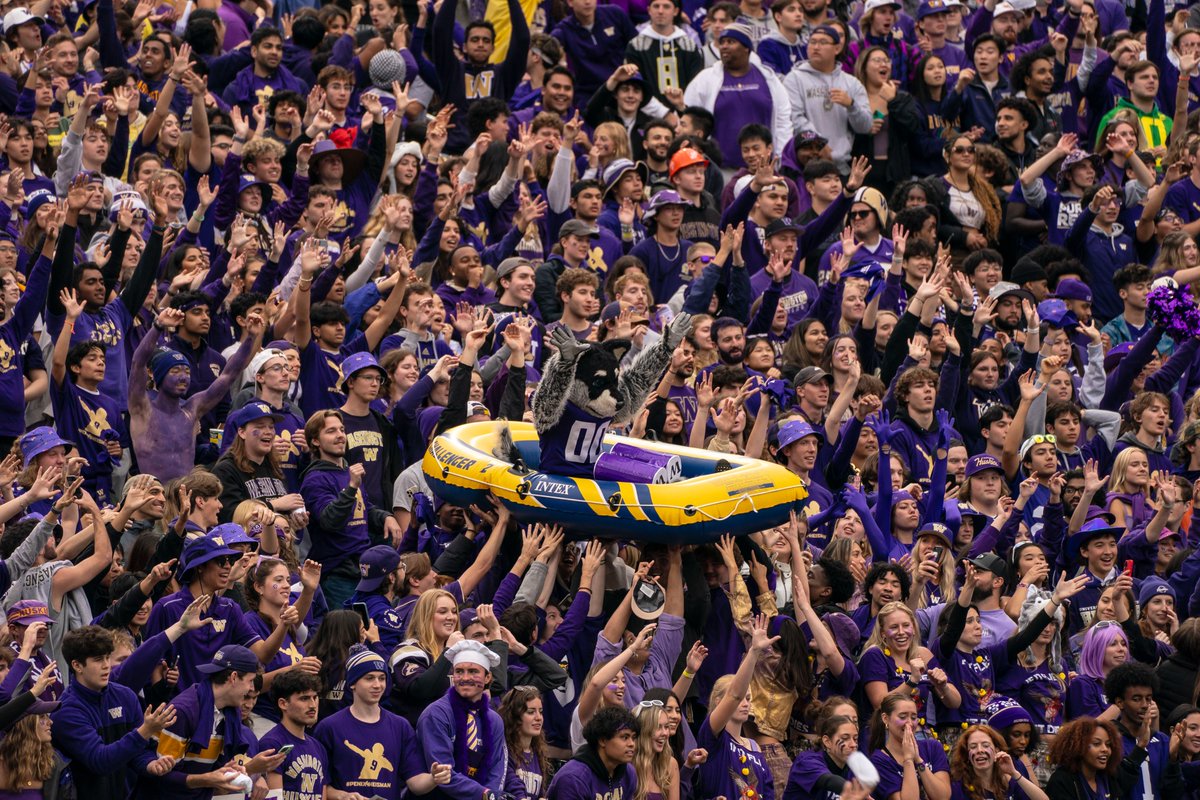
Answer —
595 388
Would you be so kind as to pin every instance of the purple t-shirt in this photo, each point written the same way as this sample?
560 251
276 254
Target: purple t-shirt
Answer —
891 772
1086 698
1184 199
876 665
371 758
290 653
808 768
731 768
303 770
740 102
1040 691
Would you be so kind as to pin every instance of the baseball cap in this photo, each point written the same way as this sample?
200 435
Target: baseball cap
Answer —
648 600
938 531
231 656
990 562
577 227
1034 441
982 462
809 375
18 17
1006 288
27 612
261 358
510 265
376 564
251 412
781 225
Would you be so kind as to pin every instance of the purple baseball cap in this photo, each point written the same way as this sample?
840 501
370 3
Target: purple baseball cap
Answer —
982 462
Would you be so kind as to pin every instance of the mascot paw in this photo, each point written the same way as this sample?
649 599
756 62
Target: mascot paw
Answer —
680 327
569 348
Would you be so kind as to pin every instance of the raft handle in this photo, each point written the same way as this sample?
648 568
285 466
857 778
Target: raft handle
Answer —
614 501
523 489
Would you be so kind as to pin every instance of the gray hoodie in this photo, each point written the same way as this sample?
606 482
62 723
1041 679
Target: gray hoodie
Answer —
808 90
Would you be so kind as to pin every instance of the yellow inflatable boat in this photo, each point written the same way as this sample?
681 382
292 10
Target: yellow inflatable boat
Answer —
718 493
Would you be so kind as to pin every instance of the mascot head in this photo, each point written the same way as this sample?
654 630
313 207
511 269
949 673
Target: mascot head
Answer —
595 388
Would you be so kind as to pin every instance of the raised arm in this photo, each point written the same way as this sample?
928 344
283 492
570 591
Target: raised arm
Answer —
252 334
760 642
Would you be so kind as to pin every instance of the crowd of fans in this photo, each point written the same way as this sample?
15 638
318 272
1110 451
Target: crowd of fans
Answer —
255 257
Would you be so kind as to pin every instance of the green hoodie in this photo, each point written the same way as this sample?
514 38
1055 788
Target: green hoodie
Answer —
1156 126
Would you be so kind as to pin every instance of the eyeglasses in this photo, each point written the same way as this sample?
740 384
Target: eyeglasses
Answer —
968 150
275 368
860 214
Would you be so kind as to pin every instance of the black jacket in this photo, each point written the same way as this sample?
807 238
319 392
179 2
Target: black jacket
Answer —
1064 785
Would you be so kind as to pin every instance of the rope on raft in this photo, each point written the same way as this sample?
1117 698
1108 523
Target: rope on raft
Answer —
688 509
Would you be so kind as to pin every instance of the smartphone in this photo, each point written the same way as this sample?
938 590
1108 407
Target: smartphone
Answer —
1129 567
283 751
937 553
361 608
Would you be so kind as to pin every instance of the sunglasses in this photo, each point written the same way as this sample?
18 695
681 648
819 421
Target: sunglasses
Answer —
860 214
704 259
652 704
1043 438
227 561
968 150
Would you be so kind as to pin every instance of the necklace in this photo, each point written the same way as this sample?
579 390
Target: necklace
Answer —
662 252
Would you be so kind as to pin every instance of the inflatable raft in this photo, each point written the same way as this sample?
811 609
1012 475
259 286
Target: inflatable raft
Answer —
718 493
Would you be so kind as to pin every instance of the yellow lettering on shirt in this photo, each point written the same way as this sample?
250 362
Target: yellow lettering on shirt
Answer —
374 761
7 357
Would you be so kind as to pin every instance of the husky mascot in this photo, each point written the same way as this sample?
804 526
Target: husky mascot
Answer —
583 391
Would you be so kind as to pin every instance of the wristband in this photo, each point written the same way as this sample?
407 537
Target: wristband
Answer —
687 673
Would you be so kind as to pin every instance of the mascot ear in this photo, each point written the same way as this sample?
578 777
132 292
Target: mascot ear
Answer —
618 347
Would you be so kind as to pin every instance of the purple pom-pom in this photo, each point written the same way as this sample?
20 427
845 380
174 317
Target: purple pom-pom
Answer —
1173 309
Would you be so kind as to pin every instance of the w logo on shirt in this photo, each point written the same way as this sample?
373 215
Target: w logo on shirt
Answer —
116 713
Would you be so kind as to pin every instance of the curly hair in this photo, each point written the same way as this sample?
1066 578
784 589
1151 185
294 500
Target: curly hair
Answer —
1070 746
24 759
962 771
512 707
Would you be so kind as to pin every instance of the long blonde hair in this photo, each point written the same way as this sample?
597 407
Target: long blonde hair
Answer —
647 762
1120 469
420 626
876 637
620 139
